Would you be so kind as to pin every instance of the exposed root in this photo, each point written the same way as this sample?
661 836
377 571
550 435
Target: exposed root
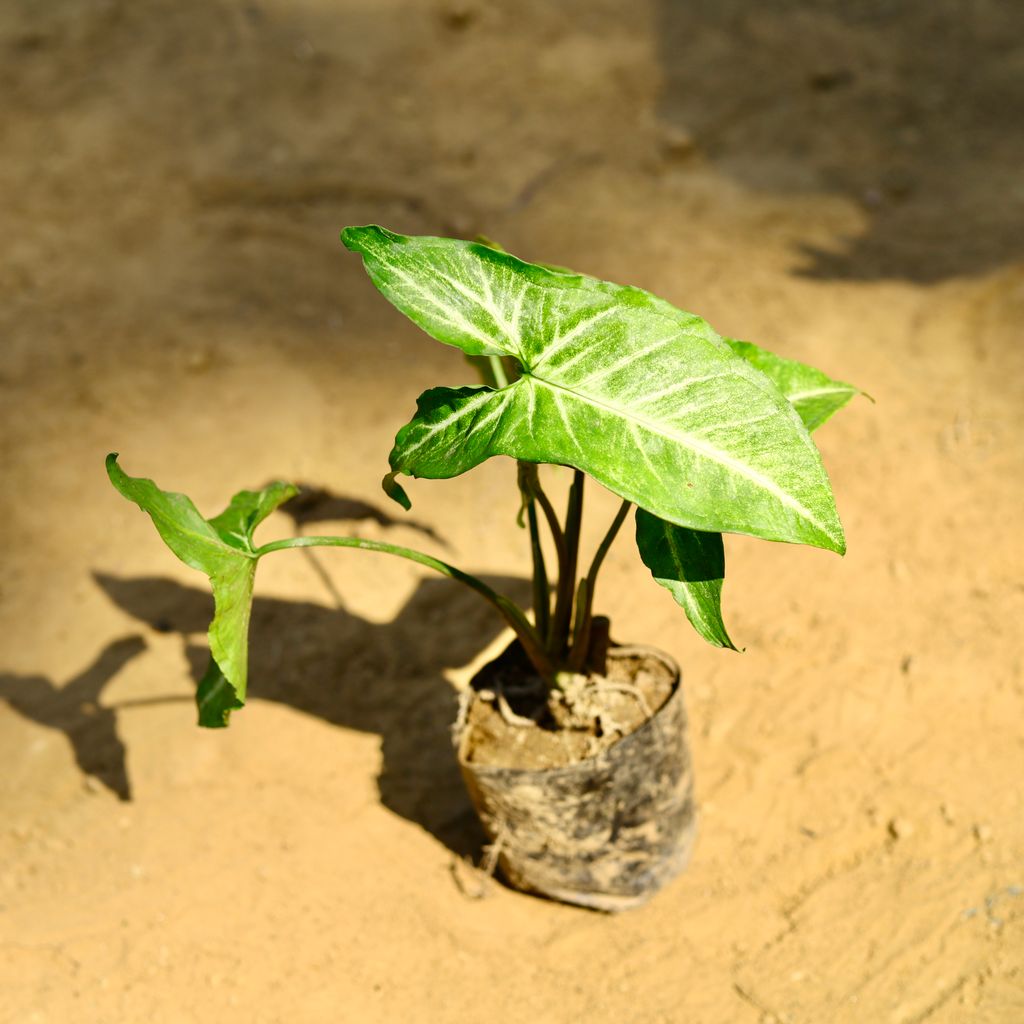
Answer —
645 707
476 883
498 698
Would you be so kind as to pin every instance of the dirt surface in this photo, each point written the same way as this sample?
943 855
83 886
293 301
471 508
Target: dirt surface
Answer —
840 182
511 720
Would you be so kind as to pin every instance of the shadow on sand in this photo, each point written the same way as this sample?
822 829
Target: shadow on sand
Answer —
379 678
910 109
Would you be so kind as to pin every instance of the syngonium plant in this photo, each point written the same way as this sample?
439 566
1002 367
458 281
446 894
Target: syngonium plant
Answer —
704 435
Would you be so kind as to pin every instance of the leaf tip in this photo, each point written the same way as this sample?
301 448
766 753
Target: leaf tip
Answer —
360 238
837 540
394 490
216 698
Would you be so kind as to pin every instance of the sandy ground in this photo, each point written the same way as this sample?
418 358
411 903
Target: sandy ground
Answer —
838 182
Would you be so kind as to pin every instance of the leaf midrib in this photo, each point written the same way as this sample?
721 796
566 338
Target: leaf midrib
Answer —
213 541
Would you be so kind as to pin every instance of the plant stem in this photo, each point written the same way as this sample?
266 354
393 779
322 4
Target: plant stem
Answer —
525 633
585 614
605 544
498 369
580 628
558 636
541 596
553 524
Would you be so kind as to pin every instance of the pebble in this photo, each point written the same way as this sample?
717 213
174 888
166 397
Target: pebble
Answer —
983 833
677 143
901 828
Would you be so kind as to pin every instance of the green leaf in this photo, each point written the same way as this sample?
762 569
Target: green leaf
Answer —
246 510
690 564
647 399
223 549
813 394
216 697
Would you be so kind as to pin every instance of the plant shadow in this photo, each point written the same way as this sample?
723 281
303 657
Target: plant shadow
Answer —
384 678
313 505
74 709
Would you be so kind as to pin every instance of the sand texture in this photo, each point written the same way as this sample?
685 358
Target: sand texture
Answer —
838 182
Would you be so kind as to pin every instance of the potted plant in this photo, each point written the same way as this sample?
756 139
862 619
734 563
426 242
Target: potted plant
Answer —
573 748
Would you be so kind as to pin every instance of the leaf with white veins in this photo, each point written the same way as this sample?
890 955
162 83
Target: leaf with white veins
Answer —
223 549
691 564
647 399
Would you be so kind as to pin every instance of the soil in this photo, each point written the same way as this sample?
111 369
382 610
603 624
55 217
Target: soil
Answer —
536 729
837 181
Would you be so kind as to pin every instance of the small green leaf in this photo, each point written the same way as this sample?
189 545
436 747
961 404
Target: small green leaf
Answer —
644 397
223 549
394 490
247 510
691 566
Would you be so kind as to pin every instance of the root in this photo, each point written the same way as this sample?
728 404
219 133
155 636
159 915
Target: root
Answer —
605 684
509 717
480 882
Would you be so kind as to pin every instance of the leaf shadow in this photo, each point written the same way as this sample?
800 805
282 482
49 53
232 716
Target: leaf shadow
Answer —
383 678
314 505
74 709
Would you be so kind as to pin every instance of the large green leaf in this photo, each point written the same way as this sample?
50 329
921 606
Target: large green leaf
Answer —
223 549
691 564
647 399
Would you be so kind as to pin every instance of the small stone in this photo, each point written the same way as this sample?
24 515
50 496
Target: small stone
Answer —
901 828
948 813
983 833
677 143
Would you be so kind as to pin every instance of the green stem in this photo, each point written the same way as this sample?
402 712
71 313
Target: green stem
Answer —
525 633
558 636
580 628
585 600
498 369
541 595
553 524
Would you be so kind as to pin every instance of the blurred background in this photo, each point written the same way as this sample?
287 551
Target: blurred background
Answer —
840 182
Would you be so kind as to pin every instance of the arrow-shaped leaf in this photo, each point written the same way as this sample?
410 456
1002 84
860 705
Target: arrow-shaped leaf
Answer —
223 549
691 564
647 399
